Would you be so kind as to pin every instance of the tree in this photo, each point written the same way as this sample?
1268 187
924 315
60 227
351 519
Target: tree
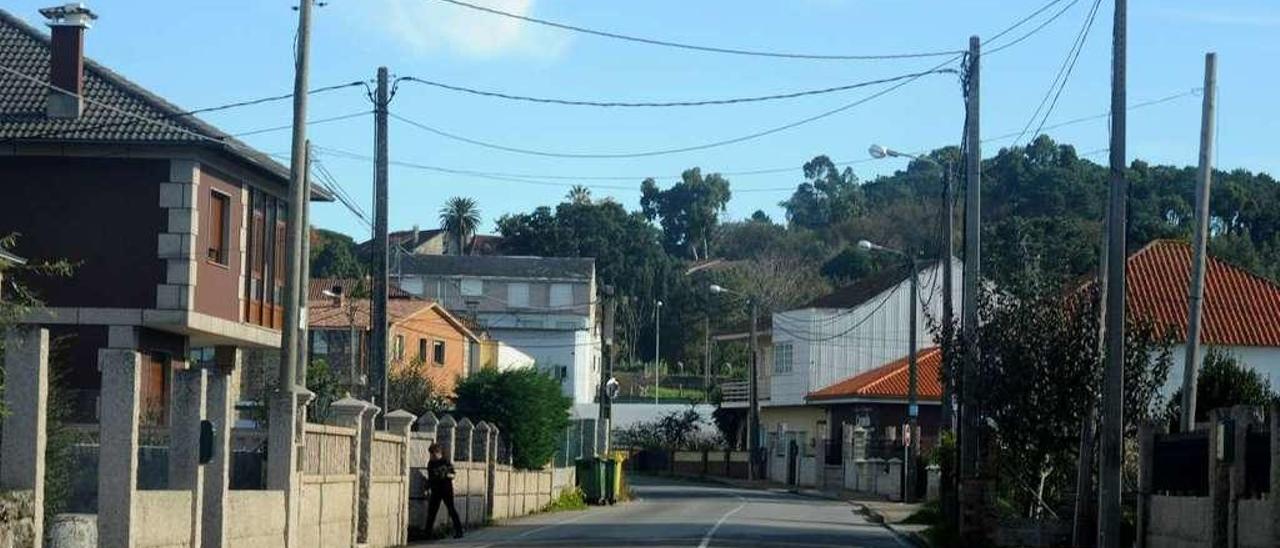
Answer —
409 388
579 195
460 217
1223 381
827 196
525 404
333 255
687 212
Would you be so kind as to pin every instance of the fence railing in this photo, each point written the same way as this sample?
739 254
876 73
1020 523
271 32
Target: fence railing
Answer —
1180 464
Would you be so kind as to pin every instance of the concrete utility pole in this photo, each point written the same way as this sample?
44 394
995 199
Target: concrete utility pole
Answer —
378 309
753 392
1195 295
949 485
606 369
913 410
972 260
657 347
1112 443
1084 526
304 275
297 200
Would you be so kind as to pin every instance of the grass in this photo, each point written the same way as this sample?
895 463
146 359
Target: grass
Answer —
571 498
930 513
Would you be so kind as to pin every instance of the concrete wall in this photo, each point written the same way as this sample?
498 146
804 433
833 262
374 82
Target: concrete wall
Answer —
258 518
1179 522
17 509
163 519
1260 528
328 510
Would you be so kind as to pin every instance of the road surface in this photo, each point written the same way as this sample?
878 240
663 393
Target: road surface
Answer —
670 513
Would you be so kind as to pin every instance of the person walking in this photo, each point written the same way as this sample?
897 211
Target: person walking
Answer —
440 488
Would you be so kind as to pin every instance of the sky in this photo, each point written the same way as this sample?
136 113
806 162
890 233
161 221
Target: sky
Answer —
201 53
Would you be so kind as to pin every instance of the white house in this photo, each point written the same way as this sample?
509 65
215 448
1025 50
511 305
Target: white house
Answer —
545 307
1241 311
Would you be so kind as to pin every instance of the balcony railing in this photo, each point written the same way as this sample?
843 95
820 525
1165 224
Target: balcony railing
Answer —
740 391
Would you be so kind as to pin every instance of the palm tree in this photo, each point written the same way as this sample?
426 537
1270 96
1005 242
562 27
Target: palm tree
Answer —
460 217
579 195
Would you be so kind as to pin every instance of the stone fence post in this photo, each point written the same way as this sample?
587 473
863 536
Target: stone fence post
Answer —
119 410
1275 474
480 449
1146 450
400 423
26 373
426 425
444 435
858 443
349 412
462 440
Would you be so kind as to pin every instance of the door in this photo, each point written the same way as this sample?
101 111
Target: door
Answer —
155 390
793 458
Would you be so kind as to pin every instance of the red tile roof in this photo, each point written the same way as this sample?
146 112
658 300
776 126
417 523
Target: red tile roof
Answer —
324 313
889 381
1240 309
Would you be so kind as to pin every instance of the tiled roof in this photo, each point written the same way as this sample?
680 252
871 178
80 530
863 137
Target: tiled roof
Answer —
325 313
1240 309
22 105
317 287
890 381
499 266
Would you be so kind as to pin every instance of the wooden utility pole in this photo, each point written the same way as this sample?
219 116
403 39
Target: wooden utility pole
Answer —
1112 444
1195 294
378 310
297 198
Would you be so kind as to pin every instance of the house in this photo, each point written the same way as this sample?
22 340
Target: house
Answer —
174 226
432 241
1241 313
877 400
545 307
423 336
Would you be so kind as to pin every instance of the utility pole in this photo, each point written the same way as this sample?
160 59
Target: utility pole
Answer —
304 274
753 416
1195 296
1084 528
378 310
297 200
971 521
1112 443
913 410
657 347
606 370
949 484
706 356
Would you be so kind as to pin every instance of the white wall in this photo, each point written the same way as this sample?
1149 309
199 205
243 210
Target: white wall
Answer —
627 414
511 358
575 350
830 345
1263 359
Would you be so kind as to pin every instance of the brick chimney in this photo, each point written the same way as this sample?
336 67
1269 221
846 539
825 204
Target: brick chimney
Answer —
66 58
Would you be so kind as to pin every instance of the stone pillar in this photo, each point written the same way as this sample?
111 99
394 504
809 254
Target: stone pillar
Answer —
349 412
480 452
367 429
286 421
1146 448
26 375
187 410
220 412
1275 474
858 443
118 434
1244 417
933 482
462 440
400 423
1219 483
426 425
445 430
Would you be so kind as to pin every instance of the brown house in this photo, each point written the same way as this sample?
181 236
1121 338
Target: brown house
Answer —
424 336
175 227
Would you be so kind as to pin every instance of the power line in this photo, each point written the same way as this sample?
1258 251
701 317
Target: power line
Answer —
907 79
708 49
1020 22
664 104
1032 32
309 122
1060 79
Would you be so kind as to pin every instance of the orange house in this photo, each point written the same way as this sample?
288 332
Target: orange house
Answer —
423 335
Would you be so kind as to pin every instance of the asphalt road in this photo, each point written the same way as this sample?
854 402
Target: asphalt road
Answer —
692 515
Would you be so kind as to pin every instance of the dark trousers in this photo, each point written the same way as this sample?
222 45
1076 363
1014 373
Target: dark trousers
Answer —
434 497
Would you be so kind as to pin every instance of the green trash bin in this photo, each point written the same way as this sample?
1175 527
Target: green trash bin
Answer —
590 478
611 479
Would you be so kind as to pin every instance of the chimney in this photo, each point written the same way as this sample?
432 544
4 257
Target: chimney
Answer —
66 58
336 296
415 237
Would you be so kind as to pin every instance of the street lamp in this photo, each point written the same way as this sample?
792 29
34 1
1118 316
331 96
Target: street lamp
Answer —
753 392
913 409
657 334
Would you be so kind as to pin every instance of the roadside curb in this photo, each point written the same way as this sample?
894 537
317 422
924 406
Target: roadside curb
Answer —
912 538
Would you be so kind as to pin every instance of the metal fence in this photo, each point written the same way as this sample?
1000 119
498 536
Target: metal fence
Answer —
1257 461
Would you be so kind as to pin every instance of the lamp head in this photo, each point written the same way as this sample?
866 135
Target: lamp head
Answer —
878 152
716 289
866 245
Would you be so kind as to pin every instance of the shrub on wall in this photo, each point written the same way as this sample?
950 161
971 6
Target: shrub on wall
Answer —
525 404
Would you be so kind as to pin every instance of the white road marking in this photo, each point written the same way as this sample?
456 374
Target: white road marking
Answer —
706 540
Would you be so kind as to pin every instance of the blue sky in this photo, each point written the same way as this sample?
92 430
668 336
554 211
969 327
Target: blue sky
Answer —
204 53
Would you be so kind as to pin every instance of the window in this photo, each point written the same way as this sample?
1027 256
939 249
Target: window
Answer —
398 348
561 295
782 354
219 227
471 287
518 294
437 352
422 350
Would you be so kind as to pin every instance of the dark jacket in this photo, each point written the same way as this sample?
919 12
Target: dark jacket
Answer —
440 475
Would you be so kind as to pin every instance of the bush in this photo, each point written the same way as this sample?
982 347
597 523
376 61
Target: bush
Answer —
571 498
409 388
527 407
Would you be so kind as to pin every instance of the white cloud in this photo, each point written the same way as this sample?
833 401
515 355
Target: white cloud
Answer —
427 26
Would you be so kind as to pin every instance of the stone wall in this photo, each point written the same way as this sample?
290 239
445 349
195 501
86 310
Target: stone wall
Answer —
1179 522
259 519
163 519
17 528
